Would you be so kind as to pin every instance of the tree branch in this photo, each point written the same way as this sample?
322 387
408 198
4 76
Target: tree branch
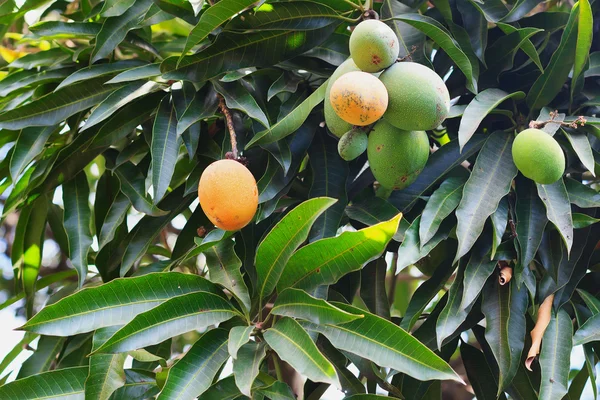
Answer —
230 127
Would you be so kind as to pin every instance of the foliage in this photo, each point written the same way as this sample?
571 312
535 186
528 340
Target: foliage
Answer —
109 113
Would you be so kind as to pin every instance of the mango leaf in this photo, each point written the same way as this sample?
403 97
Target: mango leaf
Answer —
441 204
411 250
583 220
407 35
68 29
194 373
239 98
29 145
547 86
386 344
139 384
114 303
499 222
134 187
558 209
224 269
238 336
113 8
489 182
327 260
299 304
372 288
176 316
53 108
526 45
555 357
114 29
211 19
478 270
277 247
371 210
246 365
582 195
585 35
293 345
22 79
504 307
114 218
232 51
292 121
45 354
581 144
454 312
135 73
97 71
588 332
77 222
479 372
164 148
500 56
479 108
106 370
67 383
440 35
277 391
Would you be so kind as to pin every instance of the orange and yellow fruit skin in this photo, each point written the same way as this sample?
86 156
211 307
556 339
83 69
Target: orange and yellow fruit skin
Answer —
335 124
373 46
228 194
358 98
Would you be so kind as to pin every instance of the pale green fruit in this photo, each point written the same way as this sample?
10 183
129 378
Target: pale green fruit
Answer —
373 46
538 156
352 144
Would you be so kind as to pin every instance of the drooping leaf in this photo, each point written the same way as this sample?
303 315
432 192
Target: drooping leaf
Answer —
45 354
478 270
277 247
555 357
499 222
585 27
581 195
246 365
526 45
372 210
489 182
372 288
293 344
478 371
114 303
133 74
238 336
558 209
134 187
67 383
327 260
29 145
77 222
411 250
164 148
588 332
97 71
580 143
175 316
114 218
454 312
299 304
194 373
441 204
138 384
106 370
113 8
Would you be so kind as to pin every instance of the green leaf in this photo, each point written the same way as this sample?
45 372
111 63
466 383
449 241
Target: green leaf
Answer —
588 332
232 51
440 35
224 269
77 222
327 260
500 56
139 384
555 357
526 45
29 145
114 303
225 389
97 71
211 19
489 182
68 29
293 345
136 73
114 8
277 391
45 58
299 304
194 373
441 204
277 247
582 195
114 218
591 302
292 121
583 220
67 383
386 344
479 108
478 270
580 143
246 365
164 148
206 101
411 250
114 29
118 99
238 336
499 222
585 36
55 107
504 307
175 316
454 312
372 288
479 373
547 86
106 370
558 209
45 354
134 187
22 79
407 35
239 98
373 210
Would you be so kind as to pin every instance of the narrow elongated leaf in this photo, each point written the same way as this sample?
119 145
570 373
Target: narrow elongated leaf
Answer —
292 121
212 19
206 101
411 250
62 384
277 391
441 204
278 245
489 182
114 218
580 143
55 107
194 373
135 73
114 29
585 35
478 370
293 345
504 307
526 44
246 365
371 210
454 312
239 98
408 36
238 336
173 317
106 370
500 56
325 261
97 71
299 304
558 209
499 222
29 145
77 222
555 357
372 288
224 269
113 8
386 344
588 332
45 354
547 86
22 79
581 195
114 303
139 384
134 187
478 270
164 148
479 108
68 29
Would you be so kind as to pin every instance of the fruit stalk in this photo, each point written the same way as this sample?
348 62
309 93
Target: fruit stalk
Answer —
230 127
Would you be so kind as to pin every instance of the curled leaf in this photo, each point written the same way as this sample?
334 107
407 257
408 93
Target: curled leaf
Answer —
537 333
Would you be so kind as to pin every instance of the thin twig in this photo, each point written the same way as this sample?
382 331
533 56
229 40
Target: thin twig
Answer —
580 121
408 57
230 127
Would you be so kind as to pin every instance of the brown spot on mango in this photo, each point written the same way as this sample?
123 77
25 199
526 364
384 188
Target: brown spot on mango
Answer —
358 98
